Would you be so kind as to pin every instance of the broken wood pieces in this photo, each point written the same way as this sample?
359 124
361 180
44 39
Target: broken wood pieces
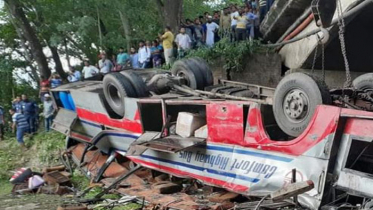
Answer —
292 190
56 177
223 196
166 187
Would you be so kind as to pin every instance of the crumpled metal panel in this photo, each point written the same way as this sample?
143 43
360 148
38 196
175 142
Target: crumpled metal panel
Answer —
173 143
64 121
281 16
356 183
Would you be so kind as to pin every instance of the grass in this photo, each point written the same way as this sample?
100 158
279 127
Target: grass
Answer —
6 187
131 206
79 181
44 150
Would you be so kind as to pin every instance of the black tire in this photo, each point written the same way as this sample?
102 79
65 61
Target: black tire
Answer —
116 87
108 108
189 70
137 82
363 82
295 101
205 71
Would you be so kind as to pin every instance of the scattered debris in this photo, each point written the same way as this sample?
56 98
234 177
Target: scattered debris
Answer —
51 181
56 177
291 190
221 197
166 187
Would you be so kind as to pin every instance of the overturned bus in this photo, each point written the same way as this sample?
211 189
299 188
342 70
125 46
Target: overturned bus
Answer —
244 138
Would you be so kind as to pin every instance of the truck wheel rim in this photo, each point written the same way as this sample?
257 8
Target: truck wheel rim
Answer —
115 95
296 105
185 77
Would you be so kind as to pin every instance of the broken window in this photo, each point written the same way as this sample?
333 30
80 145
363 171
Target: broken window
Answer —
360 157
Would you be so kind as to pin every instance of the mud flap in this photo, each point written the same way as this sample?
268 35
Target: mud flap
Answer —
169 144
64 121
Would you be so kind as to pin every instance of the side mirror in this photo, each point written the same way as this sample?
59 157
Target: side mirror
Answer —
323 11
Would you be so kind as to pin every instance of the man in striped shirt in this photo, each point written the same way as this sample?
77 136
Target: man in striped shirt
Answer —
19 122
265 6
262 9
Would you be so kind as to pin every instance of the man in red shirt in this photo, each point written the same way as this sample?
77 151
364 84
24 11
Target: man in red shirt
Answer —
44 87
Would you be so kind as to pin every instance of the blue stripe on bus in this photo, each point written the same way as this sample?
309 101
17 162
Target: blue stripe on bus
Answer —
246 152
198 168
90 123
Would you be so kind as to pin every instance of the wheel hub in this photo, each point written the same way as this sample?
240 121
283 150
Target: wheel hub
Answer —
296 105
184 77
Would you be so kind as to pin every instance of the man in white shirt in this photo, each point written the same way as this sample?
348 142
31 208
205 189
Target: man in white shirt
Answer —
105 64
211 28
183 40
144 55
89 70
234 13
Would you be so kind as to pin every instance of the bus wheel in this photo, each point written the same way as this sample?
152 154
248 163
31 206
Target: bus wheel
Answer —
295 101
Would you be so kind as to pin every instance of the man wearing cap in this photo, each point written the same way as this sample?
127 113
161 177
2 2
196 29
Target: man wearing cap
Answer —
48 112
212 27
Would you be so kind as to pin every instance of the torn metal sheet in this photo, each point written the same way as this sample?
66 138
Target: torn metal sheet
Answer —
64 121
173 144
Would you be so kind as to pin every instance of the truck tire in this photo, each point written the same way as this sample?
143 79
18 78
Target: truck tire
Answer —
295 101
363 82
137 82
116 87
189 71
205 71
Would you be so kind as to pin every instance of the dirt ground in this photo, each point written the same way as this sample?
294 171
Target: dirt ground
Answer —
31 202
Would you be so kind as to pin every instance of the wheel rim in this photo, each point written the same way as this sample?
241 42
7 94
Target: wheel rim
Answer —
296 105
115 95
185 77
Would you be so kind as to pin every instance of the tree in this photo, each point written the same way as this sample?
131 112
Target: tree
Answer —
171 12
17 13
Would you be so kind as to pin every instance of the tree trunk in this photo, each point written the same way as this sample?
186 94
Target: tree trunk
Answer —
126 28
22 22
67 52
99 26
171 12
57 61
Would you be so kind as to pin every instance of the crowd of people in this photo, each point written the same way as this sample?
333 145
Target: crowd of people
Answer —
234 22
25 116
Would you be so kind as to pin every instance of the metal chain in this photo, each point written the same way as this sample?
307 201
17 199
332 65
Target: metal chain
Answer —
323 61
341 24
314 58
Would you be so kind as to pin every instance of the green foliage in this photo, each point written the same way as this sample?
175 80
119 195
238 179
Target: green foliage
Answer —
43 151
6 187
49 146
79 181
130 206
234 54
